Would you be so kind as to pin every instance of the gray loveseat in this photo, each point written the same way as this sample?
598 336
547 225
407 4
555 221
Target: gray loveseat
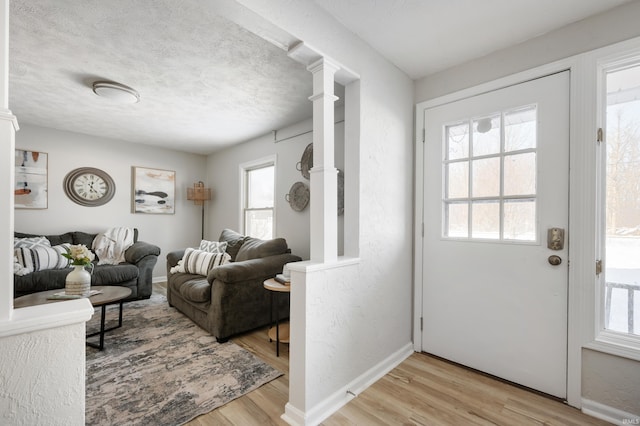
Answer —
136 273
231 299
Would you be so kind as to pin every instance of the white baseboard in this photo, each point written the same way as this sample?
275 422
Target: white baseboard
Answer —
338 399
609 414
158 279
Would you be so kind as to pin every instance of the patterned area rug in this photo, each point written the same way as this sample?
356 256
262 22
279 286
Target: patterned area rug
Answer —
159 368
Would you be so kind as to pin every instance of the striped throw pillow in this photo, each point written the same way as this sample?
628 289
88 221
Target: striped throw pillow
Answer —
201 262
40 258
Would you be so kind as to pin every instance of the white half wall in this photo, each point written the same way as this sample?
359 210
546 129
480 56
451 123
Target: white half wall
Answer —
67 151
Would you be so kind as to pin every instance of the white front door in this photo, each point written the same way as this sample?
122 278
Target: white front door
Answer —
496 179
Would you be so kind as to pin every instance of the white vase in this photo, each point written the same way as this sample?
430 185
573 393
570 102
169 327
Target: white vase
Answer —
78 282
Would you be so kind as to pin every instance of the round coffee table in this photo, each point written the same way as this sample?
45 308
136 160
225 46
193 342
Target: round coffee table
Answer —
108 295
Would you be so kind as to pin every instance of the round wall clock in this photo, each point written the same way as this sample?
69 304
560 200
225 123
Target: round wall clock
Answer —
88 186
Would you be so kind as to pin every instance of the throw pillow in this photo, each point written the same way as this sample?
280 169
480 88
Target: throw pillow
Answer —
200 262
31 242
40 258
213 246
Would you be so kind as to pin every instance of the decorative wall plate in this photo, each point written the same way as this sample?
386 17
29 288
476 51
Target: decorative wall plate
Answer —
298 196
89 187
306 162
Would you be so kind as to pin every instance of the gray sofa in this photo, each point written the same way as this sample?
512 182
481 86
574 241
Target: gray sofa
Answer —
136 273
231 299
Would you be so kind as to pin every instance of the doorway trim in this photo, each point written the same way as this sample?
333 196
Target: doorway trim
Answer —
581 193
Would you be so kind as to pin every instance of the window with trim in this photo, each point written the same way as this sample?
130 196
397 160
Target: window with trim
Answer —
258 191
620 280
490 177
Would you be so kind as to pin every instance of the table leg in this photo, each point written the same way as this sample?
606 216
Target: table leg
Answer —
103 330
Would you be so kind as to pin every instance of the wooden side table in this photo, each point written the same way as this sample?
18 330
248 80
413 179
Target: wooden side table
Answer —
275 333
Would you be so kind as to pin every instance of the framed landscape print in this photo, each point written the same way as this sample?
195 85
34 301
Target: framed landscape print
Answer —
154 190
31 180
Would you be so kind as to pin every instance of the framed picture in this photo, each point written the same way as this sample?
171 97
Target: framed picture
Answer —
31 180
154 190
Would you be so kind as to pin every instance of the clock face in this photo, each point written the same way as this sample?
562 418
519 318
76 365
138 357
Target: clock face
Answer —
89 187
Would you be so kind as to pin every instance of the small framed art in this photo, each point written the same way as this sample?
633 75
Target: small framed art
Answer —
31 180
154 190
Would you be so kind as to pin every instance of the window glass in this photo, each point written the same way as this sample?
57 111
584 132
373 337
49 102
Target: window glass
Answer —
622 235
520 129
491 194
258 209
457 137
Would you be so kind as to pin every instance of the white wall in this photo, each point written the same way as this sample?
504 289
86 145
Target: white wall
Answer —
68 151
623 375
601 30
42 375
380 292
223 177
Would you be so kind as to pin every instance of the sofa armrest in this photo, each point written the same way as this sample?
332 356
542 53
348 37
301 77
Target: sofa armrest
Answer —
139 250
264 267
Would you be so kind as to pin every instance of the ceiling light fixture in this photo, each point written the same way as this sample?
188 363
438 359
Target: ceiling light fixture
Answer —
116 92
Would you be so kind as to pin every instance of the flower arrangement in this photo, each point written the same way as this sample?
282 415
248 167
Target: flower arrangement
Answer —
79 255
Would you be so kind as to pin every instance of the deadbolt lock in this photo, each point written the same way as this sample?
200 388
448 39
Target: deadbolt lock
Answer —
555 238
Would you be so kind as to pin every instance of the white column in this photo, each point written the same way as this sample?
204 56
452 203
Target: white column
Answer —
324 175
8 126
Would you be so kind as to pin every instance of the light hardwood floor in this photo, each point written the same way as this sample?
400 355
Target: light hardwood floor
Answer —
423 390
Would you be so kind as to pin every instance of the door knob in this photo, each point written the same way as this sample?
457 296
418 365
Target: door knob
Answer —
555 260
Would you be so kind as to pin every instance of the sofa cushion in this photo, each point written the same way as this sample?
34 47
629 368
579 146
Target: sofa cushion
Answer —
41 258
198 290
254 248
234 242
114 274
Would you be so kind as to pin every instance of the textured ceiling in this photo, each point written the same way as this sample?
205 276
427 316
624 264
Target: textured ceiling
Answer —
422 37
204 82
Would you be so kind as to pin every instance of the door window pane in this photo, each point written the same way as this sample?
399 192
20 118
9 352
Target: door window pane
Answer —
520 220
458 180
520 129
457 137
486 177
486 135
457 220
485 220
498 180
622 239
520 174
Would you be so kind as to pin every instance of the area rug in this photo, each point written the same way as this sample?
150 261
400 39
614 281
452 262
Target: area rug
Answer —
160 368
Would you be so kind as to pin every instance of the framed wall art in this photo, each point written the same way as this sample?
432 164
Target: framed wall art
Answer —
31 180
154 190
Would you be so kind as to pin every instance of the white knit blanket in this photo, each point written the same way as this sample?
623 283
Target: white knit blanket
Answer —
111 245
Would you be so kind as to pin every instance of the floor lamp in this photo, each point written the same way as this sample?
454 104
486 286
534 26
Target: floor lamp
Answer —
199 194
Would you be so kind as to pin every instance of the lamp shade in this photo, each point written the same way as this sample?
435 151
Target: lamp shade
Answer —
198 194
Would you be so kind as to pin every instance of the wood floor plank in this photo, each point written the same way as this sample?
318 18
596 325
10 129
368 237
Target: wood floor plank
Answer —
422 390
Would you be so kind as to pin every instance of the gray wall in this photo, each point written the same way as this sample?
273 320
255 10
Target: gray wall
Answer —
607 379
68 151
